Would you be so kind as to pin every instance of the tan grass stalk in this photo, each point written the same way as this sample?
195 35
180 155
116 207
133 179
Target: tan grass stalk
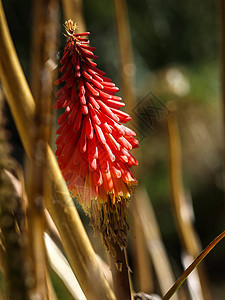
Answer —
62 268
193 266
36 230
51 292
38 183
187 233
127 71
127 66
53 233
73 9
143 267
44 45
75 241
221 10
154 242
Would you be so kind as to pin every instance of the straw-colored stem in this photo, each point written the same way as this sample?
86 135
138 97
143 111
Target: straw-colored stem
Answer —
120 274
39 185
75 241
221 10
44 45
61 268
126 64
154 241
36 230
143 268
52 231
195 263
51 291
73 9
186 231
127 67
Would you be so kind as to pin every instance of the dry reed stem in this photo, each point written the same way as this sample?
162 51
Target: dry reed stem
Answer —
51 292
36 230
154 242
127 70
39 184
187 233
61 267
193 266
127 67
73 9
221 10
142 264
52 231
44 45
75 241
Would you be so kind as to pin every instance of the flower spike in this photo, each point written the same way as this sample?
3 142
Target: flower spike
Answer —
92 144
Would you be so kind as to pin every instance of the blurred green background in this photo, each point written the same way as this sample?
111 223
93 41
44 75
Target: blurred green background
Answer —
176 54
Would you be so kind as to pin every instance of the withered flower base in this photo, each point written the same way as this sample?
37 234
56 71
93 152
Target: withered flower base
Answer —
92 144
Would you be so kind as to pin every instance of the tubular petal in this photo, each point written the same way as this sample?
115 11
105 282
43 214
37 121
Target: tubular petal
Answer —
93 144
89 127
93 91
99 134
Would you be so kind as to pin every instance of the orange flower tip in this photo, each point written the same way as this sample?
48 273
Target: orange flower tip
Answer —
70 28
132 185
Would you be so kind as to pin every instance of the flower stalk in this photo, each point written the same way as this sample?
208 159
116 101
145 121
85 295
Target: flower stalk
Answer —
121 274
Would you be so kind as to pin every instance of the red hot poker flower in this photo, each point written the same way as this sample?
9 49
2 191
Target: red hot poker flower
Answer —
92 144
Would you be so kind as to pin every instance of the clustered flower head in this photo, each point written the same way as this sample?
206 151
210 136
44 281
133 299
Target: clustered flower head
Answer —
92 144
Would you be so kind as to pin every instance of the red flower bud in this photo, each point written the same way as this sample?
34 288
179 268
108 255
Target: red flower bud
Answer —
92 144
